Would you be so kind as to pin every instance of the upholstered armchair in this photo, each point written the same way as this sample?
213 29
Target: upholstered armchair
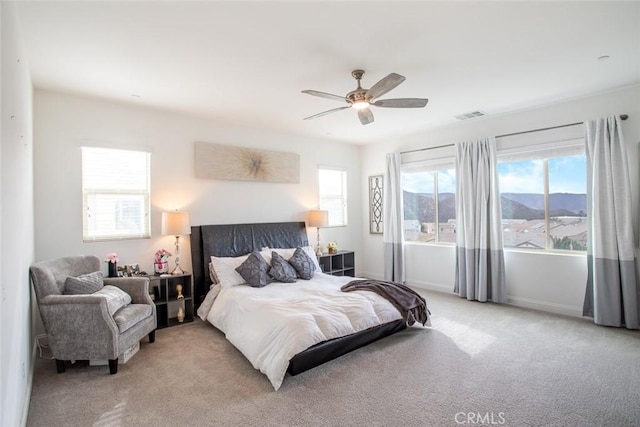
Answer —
85 320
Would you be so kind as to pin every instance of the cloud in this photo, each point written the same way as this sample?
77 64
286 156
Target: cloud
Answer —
418 182
521 177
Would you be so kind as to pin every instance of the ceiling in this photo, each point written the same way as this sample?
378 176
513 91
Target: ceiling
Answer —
245 63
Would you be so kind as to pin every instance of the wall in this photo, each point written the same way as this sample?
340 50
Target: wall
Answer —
16 225
537 280
64 123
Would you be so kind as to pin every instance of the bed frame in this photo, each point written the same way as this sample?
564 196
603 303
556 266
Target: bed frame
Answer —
231 240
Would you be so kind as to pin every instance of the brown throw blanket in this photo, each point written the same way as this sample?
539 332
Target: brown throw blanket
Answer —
411 305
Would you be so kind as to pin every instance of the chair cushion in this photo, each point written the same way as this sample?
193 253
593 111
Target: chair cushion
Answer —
84 284
130 315
116 298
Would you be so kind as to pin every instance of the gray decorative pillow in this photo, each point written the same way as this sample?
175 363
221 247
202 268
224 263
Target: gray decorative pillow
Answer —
303 264
255 270
116 298
281 270
85 284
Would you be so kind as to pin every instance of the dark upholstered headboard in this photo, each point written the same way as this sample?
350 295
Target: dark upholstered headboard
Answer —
232 240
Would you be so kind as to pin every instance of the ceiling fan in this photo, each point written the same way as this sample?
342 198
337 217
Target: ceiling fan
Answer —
361 99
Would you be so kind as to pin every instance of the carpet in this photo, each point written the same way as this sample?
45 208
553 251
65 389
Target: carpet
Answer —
479 364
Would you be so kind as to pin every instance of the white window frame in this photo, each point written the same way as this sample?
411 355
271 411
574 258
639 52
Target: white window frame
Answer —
543 152
432 165
92 233
326 201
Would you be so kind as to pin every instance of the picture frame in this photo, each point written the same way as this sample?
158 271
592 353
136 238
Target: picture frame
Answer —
376 193
133 270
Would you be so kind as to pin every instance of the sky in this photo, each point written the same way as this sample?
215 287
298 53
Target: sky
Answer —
566 175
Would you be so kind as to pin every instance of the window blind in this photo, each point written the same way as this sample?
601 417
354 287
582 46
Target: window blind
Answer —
116 193
333 195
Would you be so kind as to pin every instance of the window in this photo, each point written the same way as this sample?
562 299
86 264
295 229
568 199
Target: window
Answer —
544 202
115 189
428 218
333 195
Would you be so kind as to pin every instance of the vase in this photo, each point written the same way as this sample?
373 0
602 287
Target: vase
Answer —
333 250
113 269
161 267
180 315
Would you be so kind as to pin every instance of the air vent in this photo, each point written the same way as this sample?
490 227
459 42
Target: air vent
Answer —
470 115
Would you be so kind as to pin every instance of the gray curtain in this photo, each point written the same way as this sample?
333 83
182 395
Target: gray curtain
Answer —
480 273
393 227
612 295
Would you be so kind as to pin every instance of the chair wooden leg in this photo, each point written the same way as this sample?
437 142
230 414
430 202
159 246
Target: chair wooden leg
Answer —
113 366
60 366
152 336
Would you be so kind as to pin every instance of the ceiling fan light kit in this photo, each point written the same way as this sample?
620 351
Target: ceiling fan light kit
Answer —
361 99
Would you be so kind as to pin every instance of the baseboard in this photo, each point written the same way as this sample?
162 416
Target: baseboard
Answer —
27 397
548 307
414 283
545 306
431 286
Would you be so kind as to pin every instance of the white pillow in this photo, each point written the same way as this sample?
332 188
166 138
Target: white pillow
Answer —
288 253
116 298
212 274
205 307
225 269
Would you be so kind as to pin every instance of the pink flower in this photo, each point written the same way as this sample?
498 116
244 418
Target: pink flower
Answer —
162 255
112 257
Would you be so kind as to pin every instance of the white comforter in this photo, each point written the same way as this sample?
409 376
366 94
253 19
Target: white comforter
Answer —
270 325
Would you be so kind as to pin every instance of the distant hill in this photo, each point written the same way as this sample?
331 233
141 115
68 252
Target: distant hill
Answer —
568 202
421 206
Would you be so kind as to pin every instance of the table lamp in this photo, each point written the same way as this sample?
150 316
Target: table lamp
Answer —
176 224
318 219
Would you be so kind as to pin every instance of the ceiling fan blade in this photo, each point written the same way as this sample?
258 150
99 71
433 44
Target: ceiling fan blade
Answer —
365 115
401 103
385 85
324 113
325 95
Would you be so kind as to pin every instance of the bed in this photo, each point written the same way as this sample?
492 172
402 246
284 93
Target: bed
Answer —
377 320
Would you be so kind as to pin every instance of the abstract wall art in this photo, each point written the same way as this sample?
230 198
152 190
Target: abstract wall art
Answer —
230 162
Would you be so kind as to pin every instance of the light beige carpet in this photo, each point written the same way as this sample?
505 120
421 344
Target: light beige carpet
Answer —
479 364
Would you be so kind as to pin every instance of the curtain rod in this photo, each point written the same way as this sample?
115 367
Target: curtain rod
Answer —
622 117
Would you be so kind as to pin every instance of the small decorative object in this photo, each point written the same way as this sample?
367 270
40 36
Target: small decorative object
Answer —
161 261
133 270
180 315
375 204
112 261
332 247
179 291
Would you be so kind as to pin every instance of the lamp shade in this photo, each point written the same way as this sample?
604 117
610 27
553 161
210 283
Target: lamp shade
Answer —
318 218
175 223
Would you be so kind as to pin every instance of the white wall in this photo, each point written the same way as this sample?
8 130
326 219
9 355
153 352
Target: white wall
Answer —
64 123
537 280
16 225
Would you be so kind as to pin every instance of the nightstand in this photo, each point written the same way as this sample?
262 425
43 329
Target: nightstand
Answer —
163 290
342 263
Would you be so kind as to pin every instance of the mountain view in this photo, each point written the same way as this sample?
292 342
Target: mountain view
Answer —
421 206
523 219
